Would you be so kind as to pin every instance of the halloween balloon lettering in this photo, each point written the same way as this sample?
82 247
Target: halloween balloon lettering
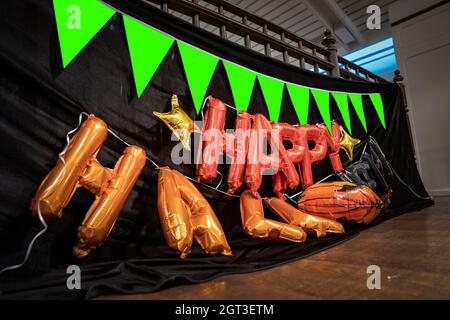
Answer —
245 148
185 214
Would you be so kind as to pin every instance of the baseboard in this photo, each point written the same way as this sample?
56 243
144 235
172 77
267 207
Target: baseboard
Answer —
440 193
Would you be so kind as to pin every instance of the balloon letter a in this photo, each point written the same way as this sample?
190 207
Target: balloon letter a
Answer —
185 214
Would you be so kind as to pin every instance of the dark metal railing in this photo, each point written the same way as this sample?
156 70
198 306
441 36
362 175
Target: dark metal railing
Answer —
273 38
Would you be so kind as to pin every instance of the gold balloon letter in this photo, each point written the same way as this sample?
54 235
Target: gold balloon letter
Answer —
185 214
80 168
256 226
178 122
348 143
311 224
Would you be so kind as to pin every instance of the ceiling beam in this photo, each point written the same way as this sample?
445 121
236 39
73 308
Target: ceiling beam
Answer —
345 20
332 16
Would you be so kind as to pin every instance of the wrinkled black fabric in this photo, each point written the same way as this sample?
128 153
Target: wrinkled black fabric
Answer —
40 102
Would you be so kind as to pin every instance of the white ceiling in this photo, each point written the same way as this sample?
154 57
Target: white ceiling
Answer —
292 15
309 18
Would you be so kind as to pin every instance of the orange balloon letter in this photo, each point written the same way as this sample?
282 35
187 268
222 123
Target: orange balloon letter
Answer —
256 226
185 214
80 168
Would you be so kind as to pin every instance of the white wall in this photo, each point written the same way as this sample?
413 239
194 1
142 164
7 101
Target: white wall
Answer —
422 47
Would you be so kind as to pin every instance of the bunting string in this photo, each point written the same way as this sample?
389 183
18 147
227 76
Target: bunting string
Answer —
78 21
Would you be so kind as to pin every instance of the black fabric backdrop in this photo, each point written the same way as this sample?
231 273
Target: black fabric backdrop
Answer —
40 102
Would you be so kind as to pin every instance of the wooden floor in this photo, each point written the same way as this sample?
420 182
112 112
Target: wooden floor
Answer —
413 252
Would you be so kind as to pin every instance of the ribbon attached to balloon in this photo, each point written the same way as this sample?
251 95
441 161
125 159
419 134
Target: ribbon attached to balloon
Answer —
80 168
186 215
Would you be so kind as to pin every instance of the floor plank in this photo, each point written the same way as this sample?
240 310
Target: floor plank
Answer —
413 252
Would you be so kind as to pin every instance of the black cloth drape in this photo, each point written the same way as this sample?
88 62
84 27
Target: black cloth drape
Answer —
40 103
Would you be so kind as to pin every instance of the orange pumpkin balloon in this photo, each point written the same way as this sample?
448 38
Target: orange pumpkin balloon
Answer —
341 200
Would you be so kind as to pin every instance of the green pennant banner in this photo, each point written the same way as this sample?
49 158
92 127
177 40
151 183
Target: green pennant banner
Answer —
323 103
241 82
272 90
342 103
378 104
356 100
78 21
300 100
199 68
145 55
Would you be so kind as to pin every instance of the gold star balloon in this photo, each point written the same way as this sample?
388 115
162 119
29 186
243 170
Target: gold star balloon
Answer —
178 122
348 143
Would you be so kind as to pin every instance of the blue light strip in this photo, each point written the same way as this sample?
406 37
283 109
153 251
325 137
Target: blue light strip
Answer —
377 58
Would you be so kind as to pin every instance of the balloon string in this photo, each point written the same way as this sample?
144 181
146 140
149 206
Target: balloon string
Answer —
204 103
41 218
127 144
407 186
221 178
364 150
80 118
201 110
231 107
397 175
290 199
395 172
301 192
212 188
189 178
30 246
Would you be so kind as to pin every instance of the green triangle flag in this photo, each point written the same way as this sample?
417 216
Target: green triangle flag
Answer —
241 82
148 48
199 67
378 104
342 103
272 90
322 98
356 100
300 100
78 21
